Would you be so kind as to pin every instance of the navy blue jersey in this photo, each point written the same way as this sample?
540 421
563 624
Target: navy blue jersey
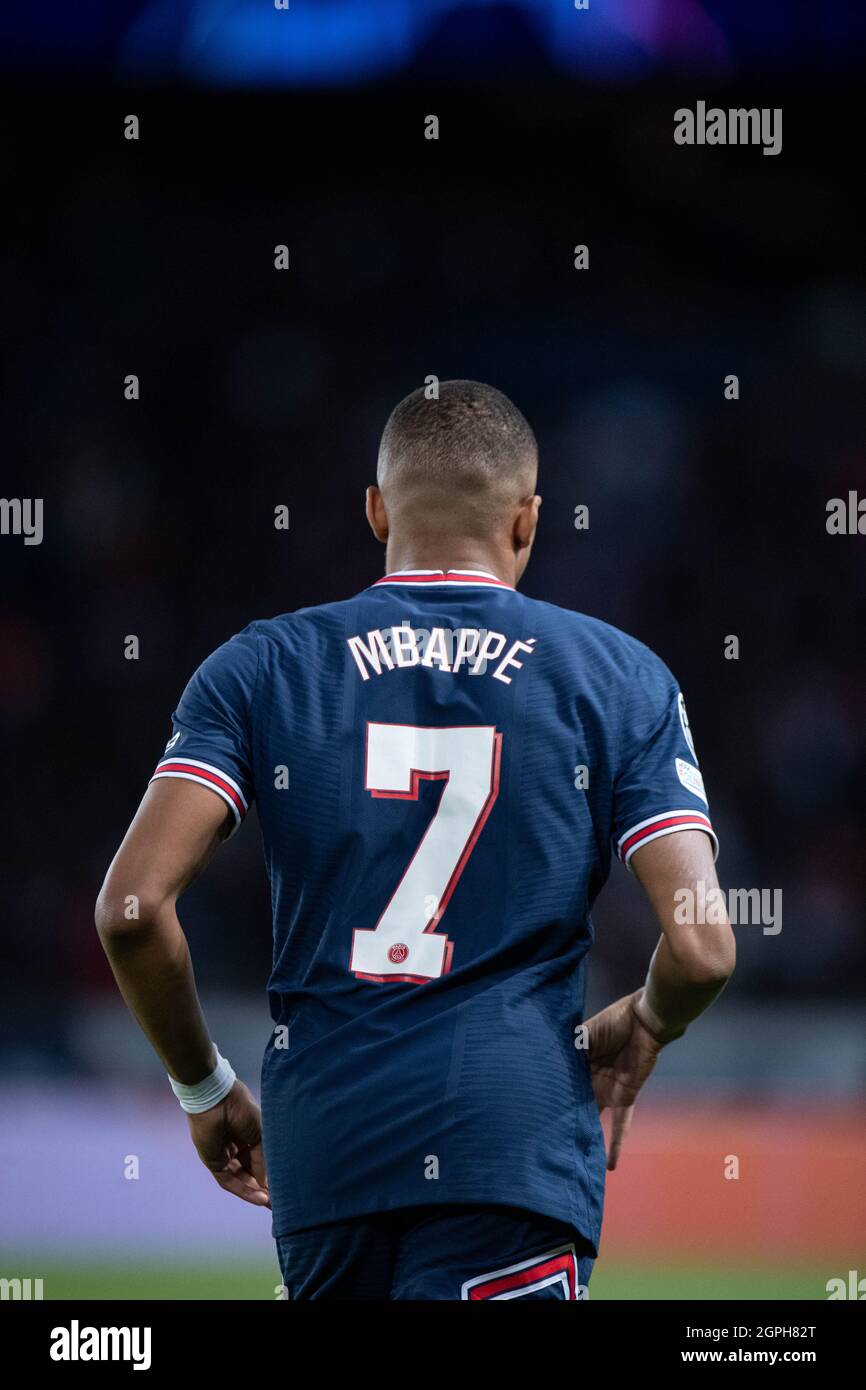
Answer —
442 769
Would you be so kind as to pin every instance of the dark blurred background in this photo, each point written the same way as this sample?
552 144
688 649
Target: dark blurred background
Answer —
411 257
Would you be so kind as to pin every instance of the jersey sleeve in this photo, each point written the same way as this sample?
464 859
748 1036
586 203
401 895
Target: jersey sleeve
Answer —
211 739
658 789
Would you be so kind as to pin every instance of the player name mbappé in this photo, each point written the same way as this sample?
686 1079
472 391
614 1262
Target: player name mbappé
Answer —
472 650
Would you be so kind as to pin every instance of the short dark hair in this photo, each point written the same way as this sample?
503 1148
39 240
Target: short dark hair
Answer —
469 446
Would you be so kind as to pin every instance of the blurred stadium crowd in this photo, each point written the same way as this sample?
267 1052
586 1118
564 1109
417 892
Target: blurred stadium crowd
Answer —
260 388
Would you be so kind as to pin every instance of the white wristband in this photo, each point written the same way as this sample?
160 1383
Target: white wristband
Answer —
204 1095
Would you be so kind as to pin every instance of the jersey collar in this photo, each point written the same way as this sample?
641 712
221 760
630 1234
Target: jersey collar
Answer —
450 579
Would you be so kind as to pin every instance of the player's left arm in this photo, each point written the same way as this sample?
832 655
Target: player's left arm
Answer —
177 829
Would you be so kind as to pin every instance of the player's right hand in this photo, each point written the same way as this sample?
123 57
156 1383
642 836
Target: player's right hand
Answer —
622 1053
229 1142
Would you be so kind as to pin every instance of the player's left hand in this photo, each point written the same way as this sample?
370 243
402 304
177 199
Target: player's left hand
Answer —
622 1053
229 1142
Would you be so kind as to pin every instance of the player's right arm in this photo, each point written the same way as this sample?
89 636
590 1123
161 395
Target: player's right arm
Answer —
689 968
663 833
693 960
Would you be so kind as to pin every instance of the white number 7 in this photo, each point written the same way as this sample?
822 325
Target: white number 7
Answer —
404 944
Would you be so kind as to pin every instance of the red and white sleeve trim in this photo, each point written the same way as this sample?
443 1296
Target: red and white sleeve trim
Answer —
666 823
207 776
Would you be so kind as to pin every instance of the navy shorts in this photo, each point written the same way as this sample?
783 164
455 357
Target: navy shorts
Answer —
437 1252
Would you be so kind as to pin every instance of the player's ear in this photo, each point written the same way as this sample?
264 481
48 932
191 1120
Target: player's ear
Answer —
525 523
376 514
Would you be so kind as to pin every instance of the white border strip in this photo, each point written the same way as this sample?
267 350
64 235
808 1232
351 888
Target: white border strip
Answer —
416 576
470 569
561 1278
447 583
524 1264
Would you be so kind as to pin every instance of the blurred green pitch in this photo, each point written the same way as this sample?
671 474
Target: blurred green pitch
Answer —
216 1280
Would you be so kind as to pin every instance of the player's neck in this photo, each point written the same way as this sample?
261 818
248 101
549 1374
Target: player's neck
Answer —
450 555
